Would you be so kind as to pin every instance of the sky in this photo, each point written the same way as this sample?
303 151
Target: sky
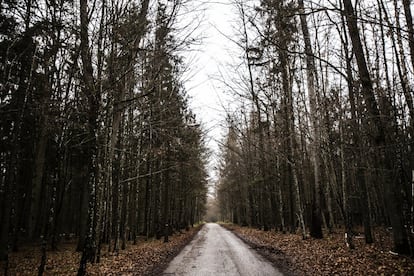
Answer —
208 98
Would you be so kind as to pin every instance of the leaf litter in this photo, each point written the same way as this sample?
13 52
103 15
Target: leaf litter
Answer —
327 256
145 258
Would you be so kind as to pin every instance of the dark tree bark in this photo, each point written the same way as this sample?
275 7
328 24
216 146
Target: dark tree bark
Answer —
90 91
379 138
316 222
410 33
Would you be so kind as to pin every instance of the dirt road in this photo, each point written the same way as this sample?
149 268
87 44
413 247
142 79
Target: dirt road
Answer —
217 251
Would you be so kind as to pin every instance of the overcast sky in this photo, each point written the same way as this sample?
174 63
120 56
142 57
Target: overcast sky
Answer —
206 91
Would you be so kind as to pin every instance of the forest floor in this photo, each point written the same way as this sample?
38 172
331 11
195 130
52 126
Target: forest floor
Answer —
146 258
329 256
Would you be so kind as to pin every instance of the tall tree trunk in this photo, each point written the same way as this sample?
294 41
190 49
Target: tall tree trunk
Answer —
166 198
257 115
125 199
379 138
39 164
359 163
90 91
290 122
410 33
345 196
402 67
367 90
316 225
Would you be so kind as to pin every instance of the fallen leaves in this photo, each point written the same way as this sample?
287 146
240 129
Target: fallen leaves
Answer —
26 261
145 258
328 256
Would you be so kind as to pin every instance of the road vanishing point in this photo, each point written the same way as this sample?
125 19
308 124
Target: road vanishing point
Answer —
217 251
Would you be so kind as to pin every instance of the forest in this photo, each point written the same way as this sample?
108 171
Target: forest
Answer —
97 139
100 147
322 136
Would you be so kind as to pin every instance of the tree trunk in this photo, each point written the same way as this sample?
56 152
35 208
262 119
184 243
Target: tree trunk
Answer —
39 163
291 140
316 227
379 138
166 197
345 197
410 33
90 91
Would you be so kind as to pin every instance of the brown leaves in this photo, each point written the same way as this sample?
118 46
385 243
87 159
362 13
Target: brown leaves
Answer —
328 256
26 261
145 258
141 259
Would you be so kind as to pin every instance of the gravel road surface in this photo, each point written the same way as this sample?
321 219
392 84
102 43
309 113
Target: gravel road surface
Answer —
217 251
